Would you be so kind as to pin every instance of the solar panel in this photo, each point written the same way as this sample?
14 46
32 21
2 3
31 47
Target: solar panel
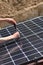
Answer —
29 47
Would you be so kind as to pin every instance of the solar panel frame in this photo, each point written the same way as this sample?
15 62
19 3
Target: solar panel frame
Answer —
26 37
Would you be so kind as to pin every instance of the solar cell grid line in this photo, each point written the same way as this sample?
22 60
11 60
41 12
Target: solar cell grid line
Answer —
38 45
27 48
7 63
31 54
41 23
4 60
35 45
3 52
29 20
21 49
2 49
24 30
35 49
36 24
40 48
18 58
10 55
4 33
9 52
34 33
41 18
7 30
31 36
31 43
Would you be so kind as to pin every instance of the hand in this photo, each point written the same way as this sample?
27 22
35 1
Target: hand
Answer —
10 20
15 35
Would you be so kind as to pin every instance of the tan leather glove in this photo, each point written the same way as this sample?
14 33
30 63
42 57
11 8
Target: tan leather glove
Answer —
13 36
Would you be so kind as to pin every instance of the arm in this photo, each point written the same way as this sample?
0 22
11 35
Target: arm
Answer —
15 35
8 20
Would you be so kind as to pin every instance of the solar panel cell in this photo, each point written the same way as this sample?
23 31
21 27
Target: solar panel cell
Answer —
28 47
2 49
39 45
2 53
5 60
14 53
24 30
33 38
18 56
23 42
41 48
39 22
4 33
33 27
10 63
37 42
41 17
34 56
21 61
41 35
12 29
28 53
42 52
12 45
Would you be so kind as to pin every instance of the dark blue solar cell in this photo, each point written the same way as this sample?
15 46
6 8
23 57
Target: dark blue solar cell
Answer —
13 53
24 30
40 49
2 49
39 45
18 56
37 42
26 48
38 21
10 63
33 27
12 29
41 17
3 52
4 33
41 35
23 42
5 60
21 61
34 56
30 52
32 38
